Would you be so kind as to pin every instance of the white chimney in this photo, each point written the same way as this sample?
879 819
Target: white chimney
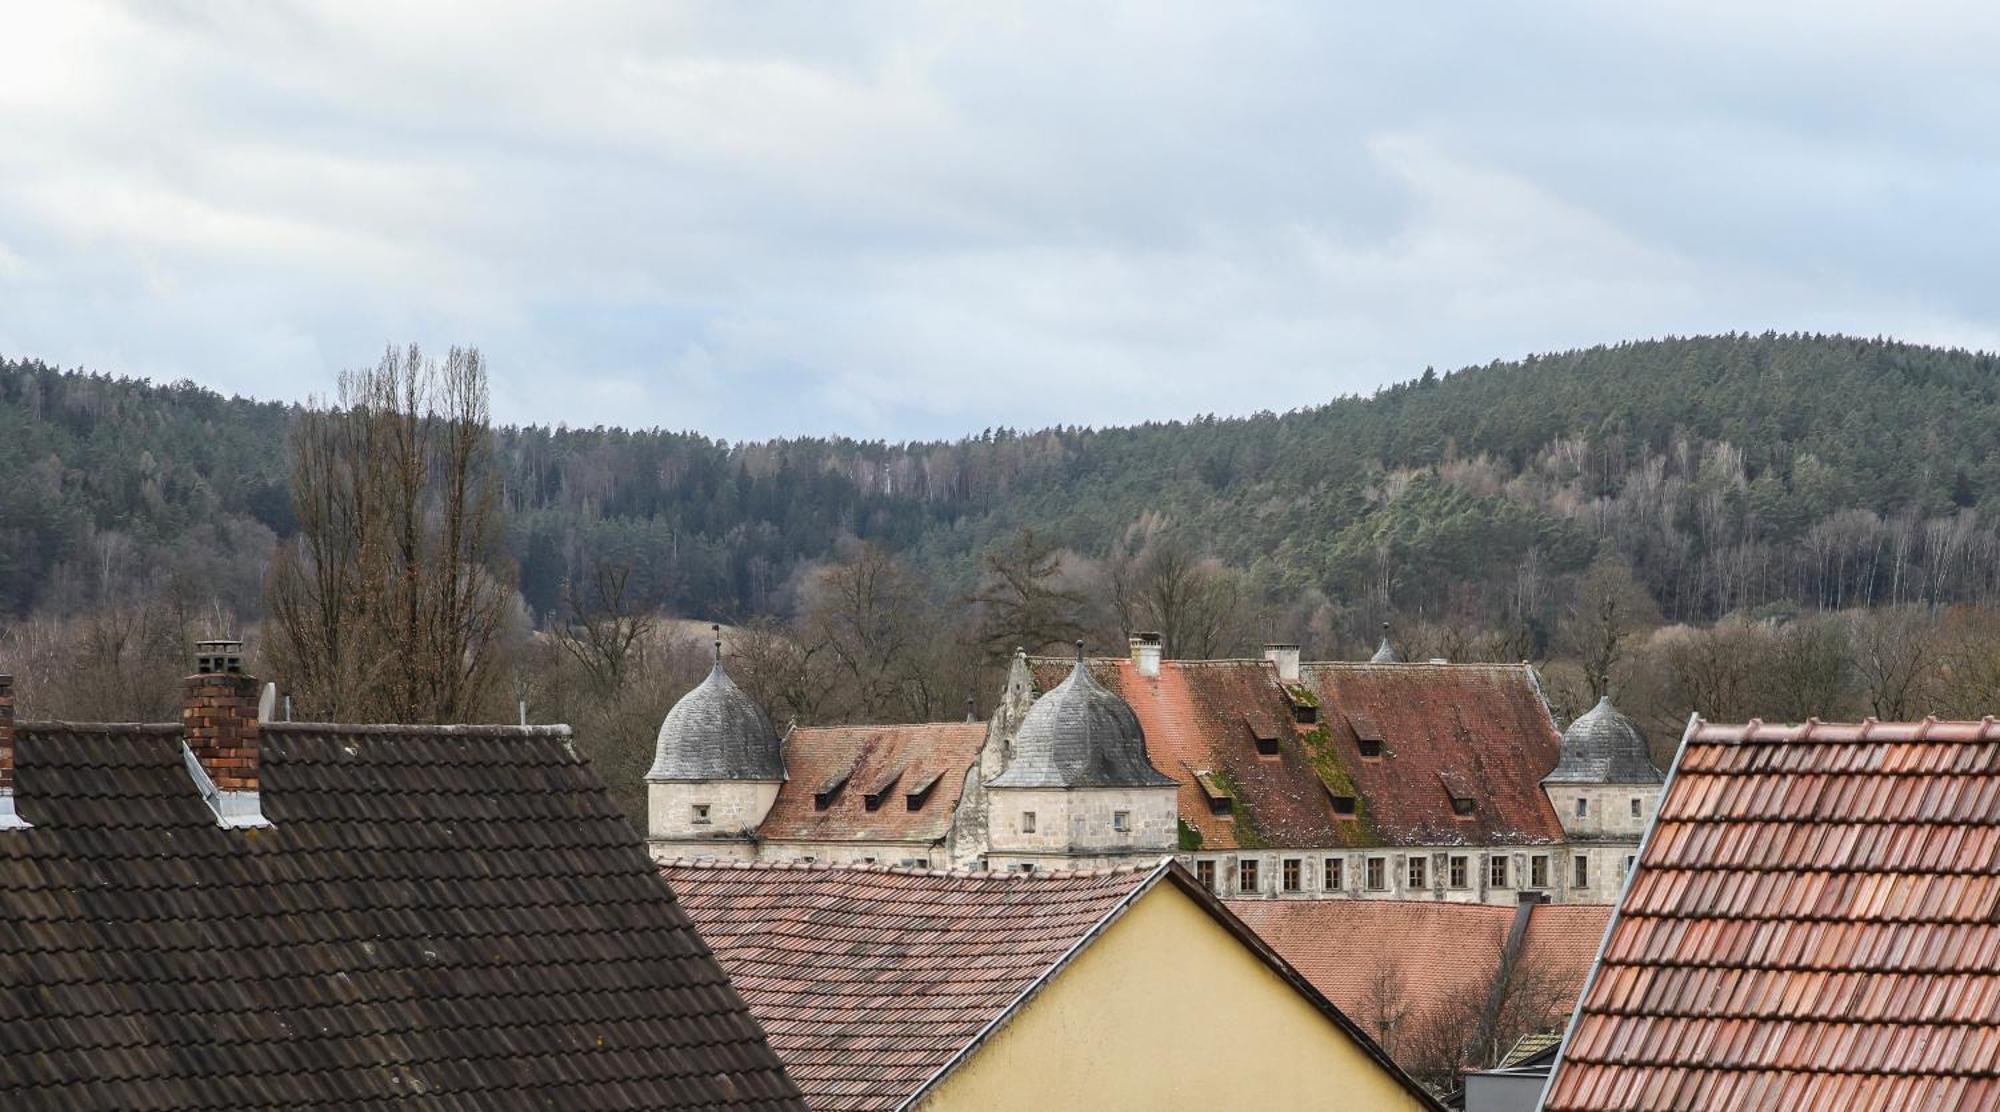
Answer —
1286 659
1146 653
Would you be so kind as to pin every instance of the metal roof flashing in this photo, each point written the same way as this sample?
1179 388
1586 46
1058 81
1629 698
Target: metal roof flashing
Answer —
233 810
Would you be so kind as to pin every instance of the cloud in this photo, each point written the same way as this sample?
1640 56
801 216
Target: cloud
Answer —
902 221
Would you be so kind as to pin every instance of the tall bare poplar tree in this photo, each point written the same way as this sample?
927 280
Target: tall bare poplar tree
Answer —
389 603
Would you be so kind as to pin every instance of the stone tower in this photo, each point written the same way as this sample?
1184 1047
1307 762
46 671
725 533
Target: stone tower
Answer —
716 771
1077 790
1605 790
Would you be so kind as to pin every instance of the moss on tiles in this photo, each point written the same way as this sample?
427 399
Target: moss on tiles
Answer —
1325 757
1190 837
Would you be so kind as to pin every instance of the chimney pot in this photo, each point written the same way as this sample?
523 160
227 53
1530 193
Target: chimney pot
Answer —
1146 653
1285 658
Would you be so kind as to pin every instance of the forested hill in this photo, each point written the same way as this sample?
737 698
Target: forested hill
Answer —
1730 472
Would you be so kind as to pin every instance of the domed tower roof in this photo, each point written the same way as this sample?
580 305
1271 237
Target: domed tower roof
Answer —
716 732
1080 735
1385 653
1603 747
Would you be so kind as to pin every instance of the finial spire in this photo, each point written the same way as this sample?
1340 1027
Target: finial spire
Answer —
716 630
1079 652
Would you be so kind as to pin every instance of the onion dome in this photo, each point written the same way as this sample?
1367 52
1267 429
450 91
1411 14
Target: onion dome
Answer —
716 732
1385 653
1080 735
1603 747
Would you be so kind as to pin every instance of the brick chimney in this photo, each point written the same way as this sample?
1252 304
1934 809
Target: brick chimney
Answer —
10 819
1146 653
1285 658
219 727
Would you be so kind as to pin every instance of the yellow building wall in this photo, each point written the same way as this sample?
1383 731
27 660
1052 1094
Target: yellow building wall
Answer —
1167 1010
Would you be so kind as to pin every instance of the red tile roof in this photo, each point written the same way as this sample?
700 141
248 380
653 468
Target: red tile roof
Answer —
869 981
888 762
1433 953
1478 728
1811 925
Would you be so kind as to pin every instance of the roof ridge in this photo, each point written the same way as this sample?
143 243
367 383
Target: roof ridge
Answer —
494 729
50 725
796 865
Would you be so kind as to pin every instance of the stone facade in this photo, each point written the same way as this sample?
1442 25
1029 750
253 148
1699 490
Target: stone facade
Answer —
1077 828
706 818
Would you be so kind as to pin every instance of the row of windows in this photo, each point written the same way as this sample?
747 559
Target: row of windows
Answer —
1375 873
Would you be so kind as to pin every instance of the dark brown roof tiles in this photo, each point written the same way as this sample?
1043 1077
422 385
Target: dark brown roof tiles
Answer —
1811 926
442 917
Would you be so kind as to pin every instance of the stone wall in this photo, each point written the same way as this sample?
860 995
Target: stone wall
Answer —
735 807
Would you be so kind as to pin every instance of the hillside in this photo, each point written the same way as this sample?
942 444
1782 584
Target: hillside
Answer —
1731 472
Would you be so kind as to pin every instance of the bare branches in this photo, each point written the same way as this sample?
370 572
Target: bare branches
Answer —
391 601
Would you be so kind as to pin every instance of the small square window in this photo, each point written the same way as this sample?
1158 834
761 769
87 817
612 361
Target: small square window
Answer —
1204 873
1027 822
1415 872
1291 872
1333 881
1628 865
1121 821
1343 805
1538 871
1582 876
1496 871
1246 875
1636 806
1267 746
1458 870
1462 806
1026 866
1305 714
868 861
701 814
1378 874
1371 747
1582 806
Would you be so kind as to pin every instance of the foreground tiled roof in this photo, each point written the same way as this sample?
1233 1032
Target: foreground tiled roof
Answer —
914 774
1445 728
870 980
1811 925
446 917
1424 954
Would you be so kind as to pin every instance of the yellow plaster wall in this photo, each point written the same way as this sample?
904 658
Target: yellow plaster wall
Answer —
1167 1010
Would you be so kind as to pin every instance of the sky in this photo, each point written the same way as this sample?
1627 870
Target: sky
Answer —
913 220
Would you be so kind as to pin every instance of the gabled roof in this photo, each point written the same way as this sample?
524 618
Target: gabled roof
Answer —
1810 925
923 763
448 916
1484 726
1422 955
875 983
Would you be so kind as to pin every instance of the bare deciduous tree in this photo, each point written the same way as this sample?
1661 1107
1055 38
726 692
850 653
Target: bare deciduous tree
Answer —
391 601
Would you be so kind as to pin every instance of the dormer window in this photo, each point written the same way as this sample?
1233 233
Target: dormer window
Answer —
883 788
1343 805
1264 732
1367 735
829 790
1305 714
1216 791
701 814
915 794
1462 806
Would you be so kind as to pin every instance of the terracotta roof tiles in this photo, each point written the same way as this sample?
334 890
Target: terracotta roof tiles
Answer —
1478 728
915 774
1811 925
869 980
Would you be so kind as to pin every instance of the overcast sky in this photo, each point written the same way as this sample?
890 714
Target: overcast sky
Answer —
912 221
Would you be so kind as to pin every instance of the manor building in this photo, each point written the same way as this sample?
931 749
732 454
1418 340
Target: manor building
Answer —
1269 778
